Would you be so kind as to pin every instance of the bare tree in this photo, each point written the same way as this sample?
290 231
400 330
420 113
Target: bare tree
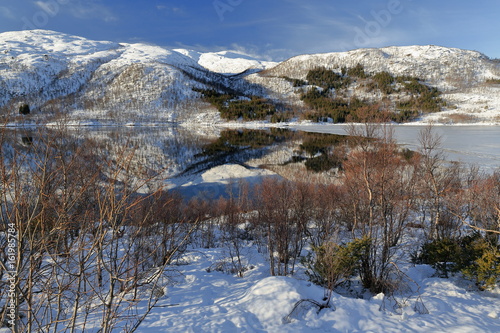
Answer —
81 226
232 224
282 221
479 208
326 214
438 182
379 194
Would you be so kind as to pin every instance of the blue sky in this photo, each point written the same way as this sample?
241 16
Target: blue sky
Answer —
273 29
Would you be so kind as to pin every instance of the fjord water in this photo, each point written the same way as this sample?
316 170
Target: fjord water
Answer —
474 145
175 151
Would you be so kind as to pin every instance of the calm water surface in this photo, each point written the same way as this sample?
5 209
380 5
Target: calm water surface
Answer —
477 145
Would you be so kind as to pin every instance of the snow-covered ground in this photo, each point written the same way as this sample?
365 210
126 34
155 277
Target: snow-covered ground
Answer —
478 105
202 299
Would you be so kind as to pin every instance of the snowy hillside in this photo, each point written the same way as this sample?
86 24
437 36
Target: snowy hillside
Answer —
435 64
227 62
86 81
468 79
52 71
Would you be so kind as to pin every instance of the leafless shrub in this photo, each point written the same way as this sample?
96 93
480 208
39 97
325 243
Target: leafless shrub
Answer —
378 199
80 255
438 187
282 221
232 225
325 216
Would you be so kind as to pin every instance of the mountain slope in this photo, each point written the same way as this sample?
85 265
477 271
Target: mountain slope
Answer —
431 63
62 75
469 79
53 71
227 62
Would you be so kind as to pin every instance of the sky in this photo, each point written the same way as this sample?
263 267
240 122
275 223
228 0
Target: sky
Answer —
269 29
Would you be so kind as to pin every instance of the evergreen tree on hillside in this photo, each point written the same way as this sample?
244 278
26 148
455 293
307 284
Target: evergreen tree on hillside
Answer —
24 109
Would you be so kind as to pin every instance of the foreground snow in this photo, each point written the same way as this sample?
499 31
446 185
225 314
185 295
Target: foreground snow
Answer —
205 300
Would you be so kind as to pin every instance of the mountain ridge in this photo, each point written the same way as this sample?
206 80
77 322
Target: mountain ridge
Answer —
123 82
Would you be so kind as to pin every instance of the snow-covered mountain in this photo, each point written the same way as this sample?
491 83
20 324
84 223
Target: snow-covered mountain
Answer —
85 80
435 64
469 80
227 62
94 80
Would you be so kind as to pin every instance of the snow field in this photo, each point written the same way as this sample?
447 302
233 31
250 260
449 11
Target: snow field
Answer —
203 300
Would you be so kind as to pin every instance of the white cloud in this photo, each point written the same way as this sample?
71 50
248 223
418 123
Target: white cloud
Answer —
171 10
52 8
329 29
5 12
92 10
251 50
89 9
